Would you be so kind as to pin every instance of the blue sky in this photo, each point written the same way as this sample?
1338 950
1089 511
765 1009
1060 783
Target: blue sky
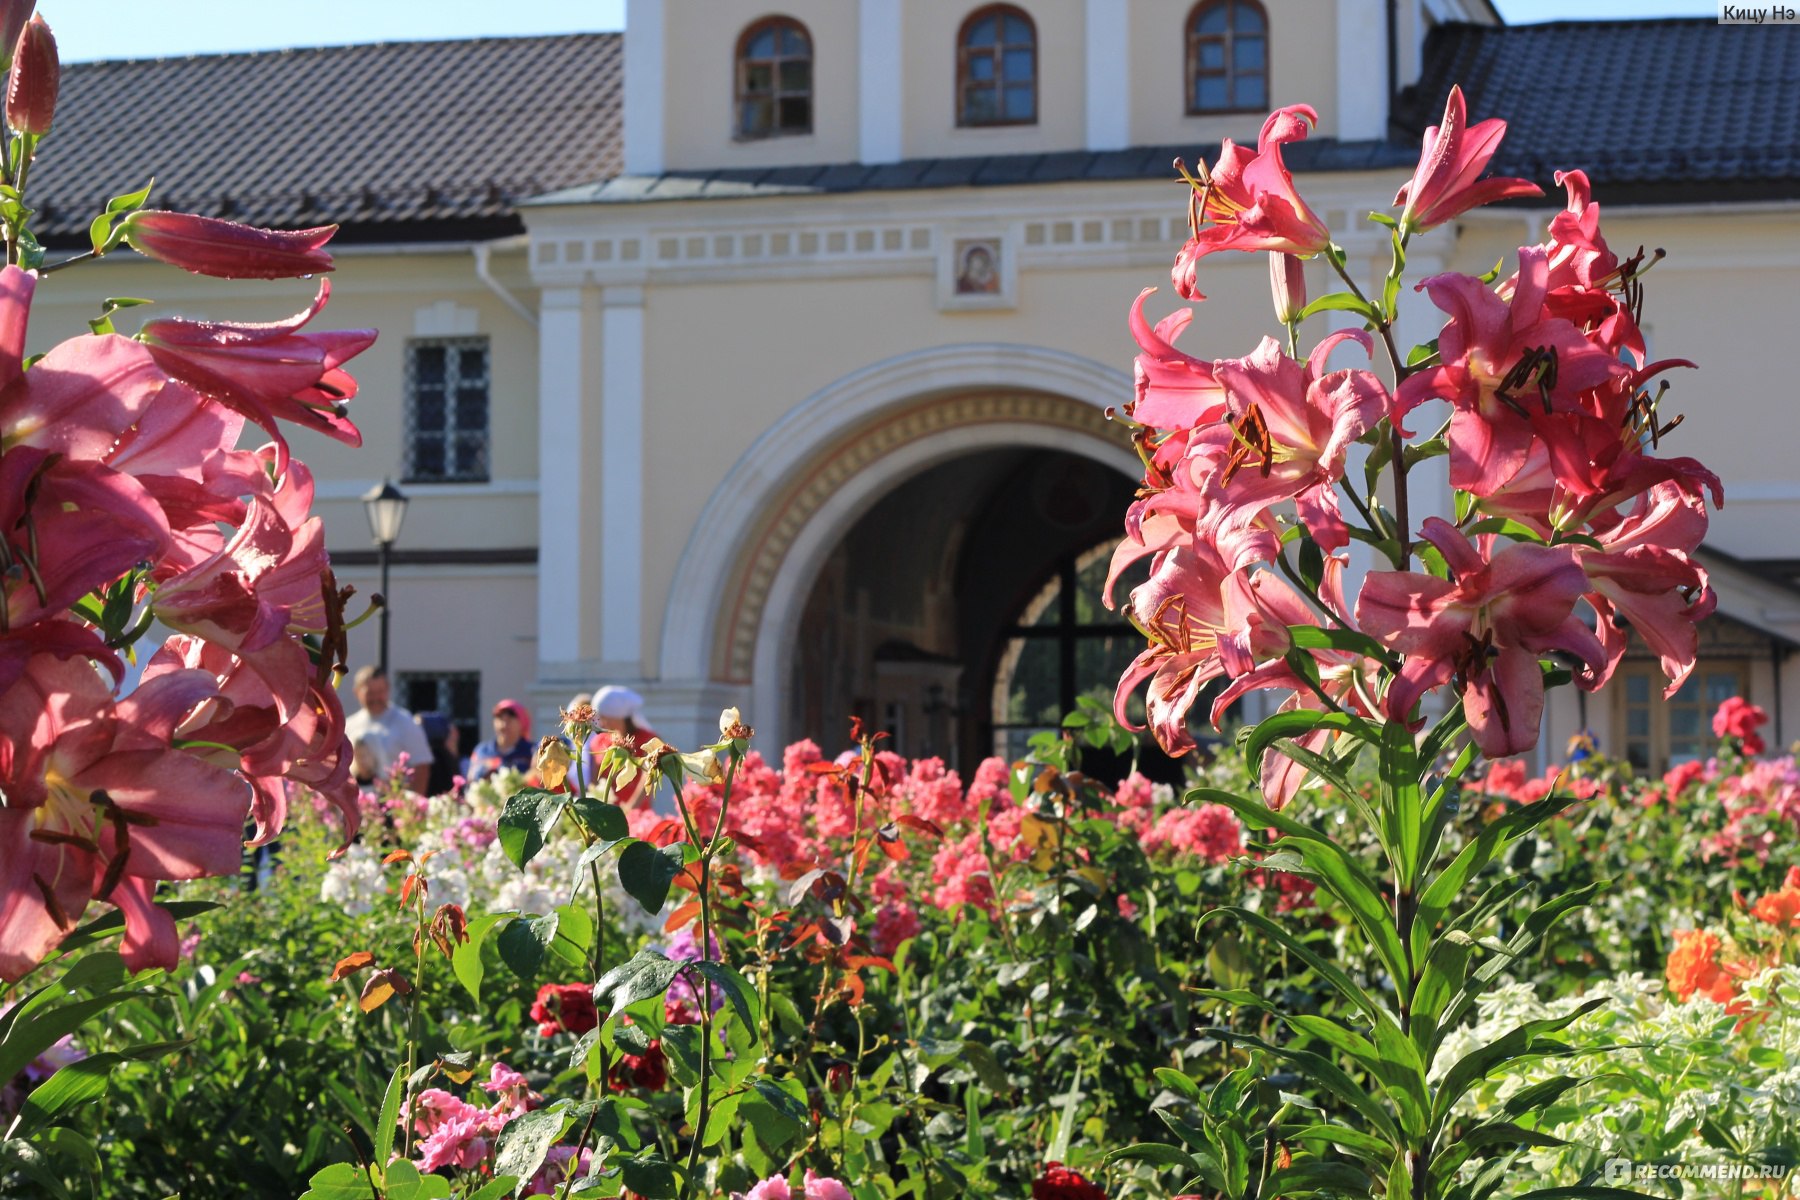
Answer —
91 29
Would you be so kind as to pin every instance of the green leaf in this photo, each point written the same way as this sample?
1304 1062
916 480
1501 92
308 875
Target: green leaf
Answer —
651 1176
646 872
737 989
497 1188
1332 867
525 824
389 1120
77 1083
777 1116
1159 1153
525 1141
1365 1146
1312 637
524 942
644 975
339 1181
465 960
1340 302
43 1027
1331 1077
1517 1043
1296 724
603 820
114 922
405 1183
1327 970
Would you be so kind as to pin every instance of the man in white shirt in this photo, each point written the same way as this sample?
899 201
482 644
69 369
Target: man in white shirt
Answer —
387 729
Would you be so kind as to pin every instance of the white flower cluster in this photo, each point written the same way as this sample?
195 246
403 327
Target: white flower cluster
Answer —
469 867
1655 1072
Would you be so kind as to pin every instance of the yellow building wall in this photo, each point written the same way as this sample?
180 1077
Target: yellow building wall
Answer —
928 69
700 84
1302 51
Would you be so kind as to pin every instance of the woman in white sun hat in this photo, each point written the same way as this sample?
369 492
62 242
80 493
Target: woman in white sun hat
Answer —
621 714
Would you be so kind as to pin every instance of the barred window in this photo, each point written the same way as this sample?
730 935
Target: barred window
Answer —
774 81
1227 57
447 410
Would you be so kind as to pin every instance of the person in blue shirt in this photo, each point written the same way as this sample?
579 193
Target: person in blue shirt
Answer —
510 748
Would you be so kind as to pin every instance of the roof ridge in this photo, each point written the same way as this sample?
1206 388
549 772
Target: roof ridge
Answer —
392 43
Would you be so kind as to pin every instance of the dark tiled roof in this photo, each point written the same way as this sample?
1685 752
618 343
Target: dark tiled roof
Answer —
1654 111
1069 166
1663 110
395 141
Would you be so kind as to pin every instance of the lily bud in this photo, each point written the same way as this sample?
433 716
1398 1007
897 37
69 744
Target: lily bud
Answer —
13 15
1287 282
226 249
31 87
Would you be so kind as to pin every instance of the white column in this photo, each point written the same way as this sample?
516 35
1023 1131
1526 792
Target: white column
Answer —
880 100
560 471
644 69
622 477
1362 58
1108 50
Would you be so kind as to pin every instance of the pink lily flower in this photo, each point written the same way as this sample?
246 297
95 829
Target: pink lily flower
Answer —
67 527
1500 361
1296 424
1485 627
1447 181
1206 615
1343 676
268 372
96 798
1174 390
281 721
226 249
1646 579
1250 202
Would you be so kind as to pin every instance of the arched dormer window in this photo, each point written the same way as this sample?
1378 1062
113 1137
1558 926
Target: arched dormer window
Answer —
996 68
774 79
1227 57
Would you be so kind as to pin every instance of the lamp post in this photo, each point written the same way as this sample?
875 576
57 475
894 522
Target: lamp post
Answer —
386 507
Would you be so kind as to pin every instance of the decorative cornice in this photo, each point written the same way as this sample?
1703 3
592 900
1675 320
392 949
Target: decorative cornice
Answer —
740 618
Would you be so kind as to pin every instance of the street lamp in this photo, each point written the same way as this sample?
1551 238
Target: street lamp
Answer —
386 506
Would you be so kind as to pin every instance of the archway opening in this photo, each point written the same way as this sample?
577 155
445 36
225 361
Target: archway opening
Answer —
962 611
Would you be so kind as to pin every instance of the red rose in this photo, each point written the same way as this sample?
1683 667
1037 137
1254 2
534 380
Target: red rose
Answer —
564 1008
648 1070
1060 1183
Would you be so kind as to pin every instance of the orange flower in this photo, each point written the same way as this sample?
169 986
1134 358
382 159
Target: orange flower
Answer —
1780 909
1694 967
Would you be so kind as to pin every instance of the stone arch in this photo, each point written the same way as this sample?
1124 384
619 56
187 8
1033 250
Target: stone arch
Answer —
733 609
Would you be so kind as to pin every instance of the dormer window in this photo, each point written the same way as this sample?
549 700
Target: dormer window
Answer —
996 68
774 79
1227 57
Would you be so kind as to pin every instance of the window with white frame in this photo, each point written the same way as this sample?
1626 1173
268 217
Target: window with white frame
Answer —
447 428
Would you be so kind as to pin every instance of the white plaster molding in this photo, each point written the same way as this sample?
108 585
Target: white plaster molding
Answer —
703 575
1362 82
880 109
339 490
560 343
622 474
644 71
1109 76
446 318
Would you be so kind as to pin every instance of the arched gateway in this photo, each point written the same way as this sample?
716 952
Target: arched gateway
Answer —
733 621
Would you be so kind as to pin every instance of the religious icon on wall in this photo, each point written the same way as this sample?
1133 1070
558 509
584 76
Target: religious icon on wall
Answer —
977 266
